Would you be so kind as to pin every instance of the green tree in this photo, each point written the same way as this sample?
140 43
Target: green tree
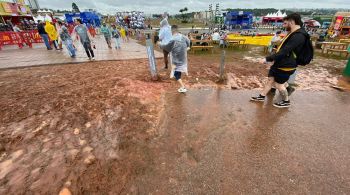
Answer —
319 19
183 15
75 8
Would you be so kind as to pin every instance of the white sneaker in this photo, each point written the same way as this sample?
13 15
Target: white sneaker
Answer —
93 59
182 90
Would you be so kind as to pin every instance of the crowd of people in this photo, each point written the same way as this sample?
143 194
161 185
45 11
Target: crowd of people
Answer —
58 33
134 20
216 36
172 41
23 24
116 33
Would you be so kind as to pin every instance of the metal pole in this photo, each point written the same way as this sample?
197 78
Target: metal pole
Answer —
206 18
151 58
222 66
3 20
346 72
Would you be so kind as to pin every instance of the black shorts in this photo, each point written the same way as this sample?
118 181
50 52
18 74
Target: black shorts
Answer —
280 76
177 75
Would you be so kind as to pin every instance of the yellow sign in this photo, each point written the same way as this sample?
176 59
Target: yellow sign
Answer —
10 9
7 7
256 40
20 2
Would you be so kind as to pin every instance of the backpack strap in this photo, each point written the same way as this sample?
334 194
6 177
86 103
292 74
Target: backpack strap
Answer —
287 37
283 40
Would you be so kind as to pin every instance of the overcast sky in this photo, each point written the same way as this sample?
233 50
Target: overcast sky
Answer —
159 6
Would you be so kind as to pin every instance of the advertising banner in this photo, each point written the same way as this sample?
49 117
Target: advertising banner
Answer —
338 22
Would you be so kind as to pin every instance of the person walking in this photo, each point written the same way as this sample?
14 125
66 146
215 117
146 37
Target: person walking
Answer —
178 46
165 36
346 72
52 32
43 34
127 33
66 39
288 56
85 38
92 30
275 41
123 33
116 36
107 34
18 31
16 28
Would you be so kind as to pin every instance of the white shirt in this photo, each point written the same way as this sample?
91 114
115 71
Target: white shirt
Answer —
16 29
215 36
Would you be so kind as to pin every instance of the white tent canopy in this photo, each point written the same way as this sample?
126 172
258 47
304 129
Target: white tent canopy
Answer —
44 11
42 18
278 14
39 17
48 18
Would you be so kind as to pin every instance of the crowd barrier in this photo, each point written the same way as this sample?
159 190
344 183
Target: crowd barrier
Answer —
20 38
27 38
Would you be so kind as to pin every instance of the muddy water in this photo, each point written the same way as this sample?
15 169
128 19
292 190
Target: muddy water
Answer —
217 142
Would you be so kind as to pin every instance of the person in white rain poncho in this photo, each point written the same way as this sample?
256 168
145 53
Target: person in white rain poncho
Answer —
275 41
178 46
165 37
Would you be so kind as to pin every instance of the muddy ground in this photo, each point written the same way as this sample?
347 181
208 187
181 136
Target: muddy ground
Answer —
88 127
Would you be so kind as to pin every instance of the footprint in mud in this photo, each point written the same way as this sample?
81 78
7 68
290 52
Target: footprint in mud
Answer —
89 157
193 134
244 123
232 117
190 157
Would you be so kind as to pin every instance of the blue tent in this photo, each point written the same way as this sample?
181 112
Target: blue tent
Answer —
86 17
244 19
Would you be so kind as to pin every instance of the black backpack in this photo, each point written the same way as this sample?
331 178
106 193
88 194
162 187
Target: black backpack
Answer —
306 55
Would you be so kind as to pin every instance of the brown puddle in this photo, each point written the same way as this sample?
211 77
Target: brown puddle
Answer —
217 142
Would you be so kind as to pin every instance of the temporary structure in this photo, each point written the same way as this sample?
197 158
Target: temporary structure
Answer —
340 24
239 18
274 18
14 13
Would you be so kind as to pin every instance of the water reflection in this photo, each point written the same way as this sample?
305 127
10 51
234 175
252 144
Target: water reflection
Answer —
265 127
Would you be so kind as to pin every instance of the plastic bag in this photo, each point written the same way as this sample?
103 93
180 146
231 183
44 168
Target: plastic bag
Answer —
172 72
